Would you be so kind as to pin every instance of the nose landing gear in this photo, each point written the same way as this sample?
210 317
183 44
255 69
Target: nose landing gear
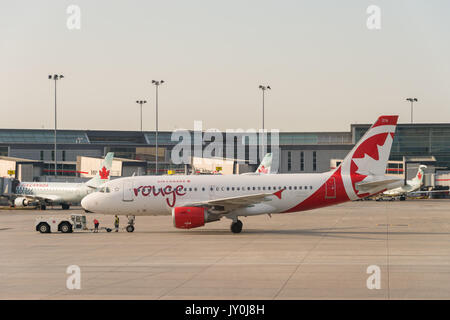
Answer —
130 226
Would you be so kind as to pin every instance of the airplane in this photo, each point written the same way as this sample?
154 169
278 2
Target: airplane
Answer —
43 193
410 186
195 200
265 167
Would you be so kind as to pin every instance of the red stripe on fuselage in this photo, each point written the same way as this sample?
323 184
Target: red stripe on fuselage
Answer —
319 198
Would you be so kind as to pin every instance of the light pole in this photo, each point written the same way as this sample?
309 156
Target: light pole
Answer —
157 83
55 77
412 100
141 102
263 89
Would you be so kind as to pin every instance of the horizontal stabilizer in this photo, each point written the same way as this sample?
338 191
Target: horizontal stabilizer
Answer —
378 184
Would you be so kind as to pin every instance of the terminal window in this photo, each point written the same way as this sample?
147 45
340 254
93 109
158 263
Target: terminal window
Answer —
314 161
302 161
289 161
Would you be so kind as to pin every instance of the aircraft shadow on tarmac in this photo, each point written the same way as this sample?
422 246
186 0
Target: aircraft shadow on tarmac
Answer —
319 232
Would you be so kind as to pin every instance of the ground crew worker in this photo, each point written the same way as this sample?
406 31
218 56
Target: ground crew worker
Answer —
96 223
116 223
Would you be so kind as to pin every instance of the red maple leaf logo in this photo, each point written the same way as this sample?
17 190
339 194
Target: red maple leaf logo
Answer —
262 169
104 174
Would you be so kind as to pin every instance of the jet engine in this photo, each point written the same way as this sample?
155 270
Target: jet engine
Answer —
21 202
191 217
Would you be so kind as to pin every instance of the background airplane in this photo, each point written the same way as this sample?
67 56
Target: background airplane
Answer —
410 186
265 167
195 200
44 193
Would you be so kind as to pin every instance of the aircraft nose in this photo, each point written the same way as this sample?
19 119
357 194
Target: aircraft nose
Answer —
86 203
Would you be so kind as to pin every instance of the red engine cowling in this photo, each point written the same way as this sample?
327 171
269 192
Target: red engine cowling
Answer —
188 217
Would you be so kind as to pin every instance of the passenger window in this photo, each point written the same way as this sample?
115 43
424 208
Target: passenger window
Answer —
264 188
268 188
237 188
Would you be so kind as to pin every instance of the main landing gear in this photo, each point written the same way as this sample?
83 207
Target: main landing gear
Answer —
236 226
130 226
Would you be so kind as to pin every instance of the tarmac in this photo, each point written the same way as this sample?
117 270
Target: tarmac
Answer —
318 254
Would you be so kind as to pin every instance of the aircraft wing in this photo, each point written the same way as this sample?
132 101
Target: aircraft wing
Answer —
225 205
49 198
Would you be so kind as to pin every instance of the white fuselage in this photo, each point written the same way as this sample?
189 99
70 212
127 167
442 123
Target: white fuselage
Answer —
410 186
142 195
56 192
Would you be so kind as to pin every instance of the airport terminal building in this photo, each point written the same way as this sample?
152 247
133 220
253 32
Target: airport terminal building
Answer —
299 152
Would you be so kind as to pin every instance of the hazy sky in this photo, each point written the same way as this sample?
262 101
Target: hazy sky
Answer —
326 68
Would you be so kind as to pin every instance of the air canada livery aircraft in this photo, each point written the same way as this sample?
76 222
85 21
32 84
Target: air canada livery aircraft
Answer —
195 200
43 193
410 186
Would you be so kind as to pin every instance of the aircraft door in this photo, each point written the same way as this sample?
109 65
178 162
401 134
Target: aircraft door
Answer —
330 191
128 191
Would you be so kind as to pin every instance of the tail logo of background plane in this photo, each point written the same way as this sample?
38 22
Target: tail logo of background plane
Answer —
104 174
263 169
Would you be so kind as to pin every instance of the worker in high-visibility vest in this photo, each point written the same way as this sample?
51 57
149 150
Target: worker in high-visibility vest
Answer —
116 223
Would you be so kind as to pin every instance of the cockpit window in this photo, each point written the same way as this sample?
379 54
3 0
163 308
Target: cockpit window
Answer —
104 190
